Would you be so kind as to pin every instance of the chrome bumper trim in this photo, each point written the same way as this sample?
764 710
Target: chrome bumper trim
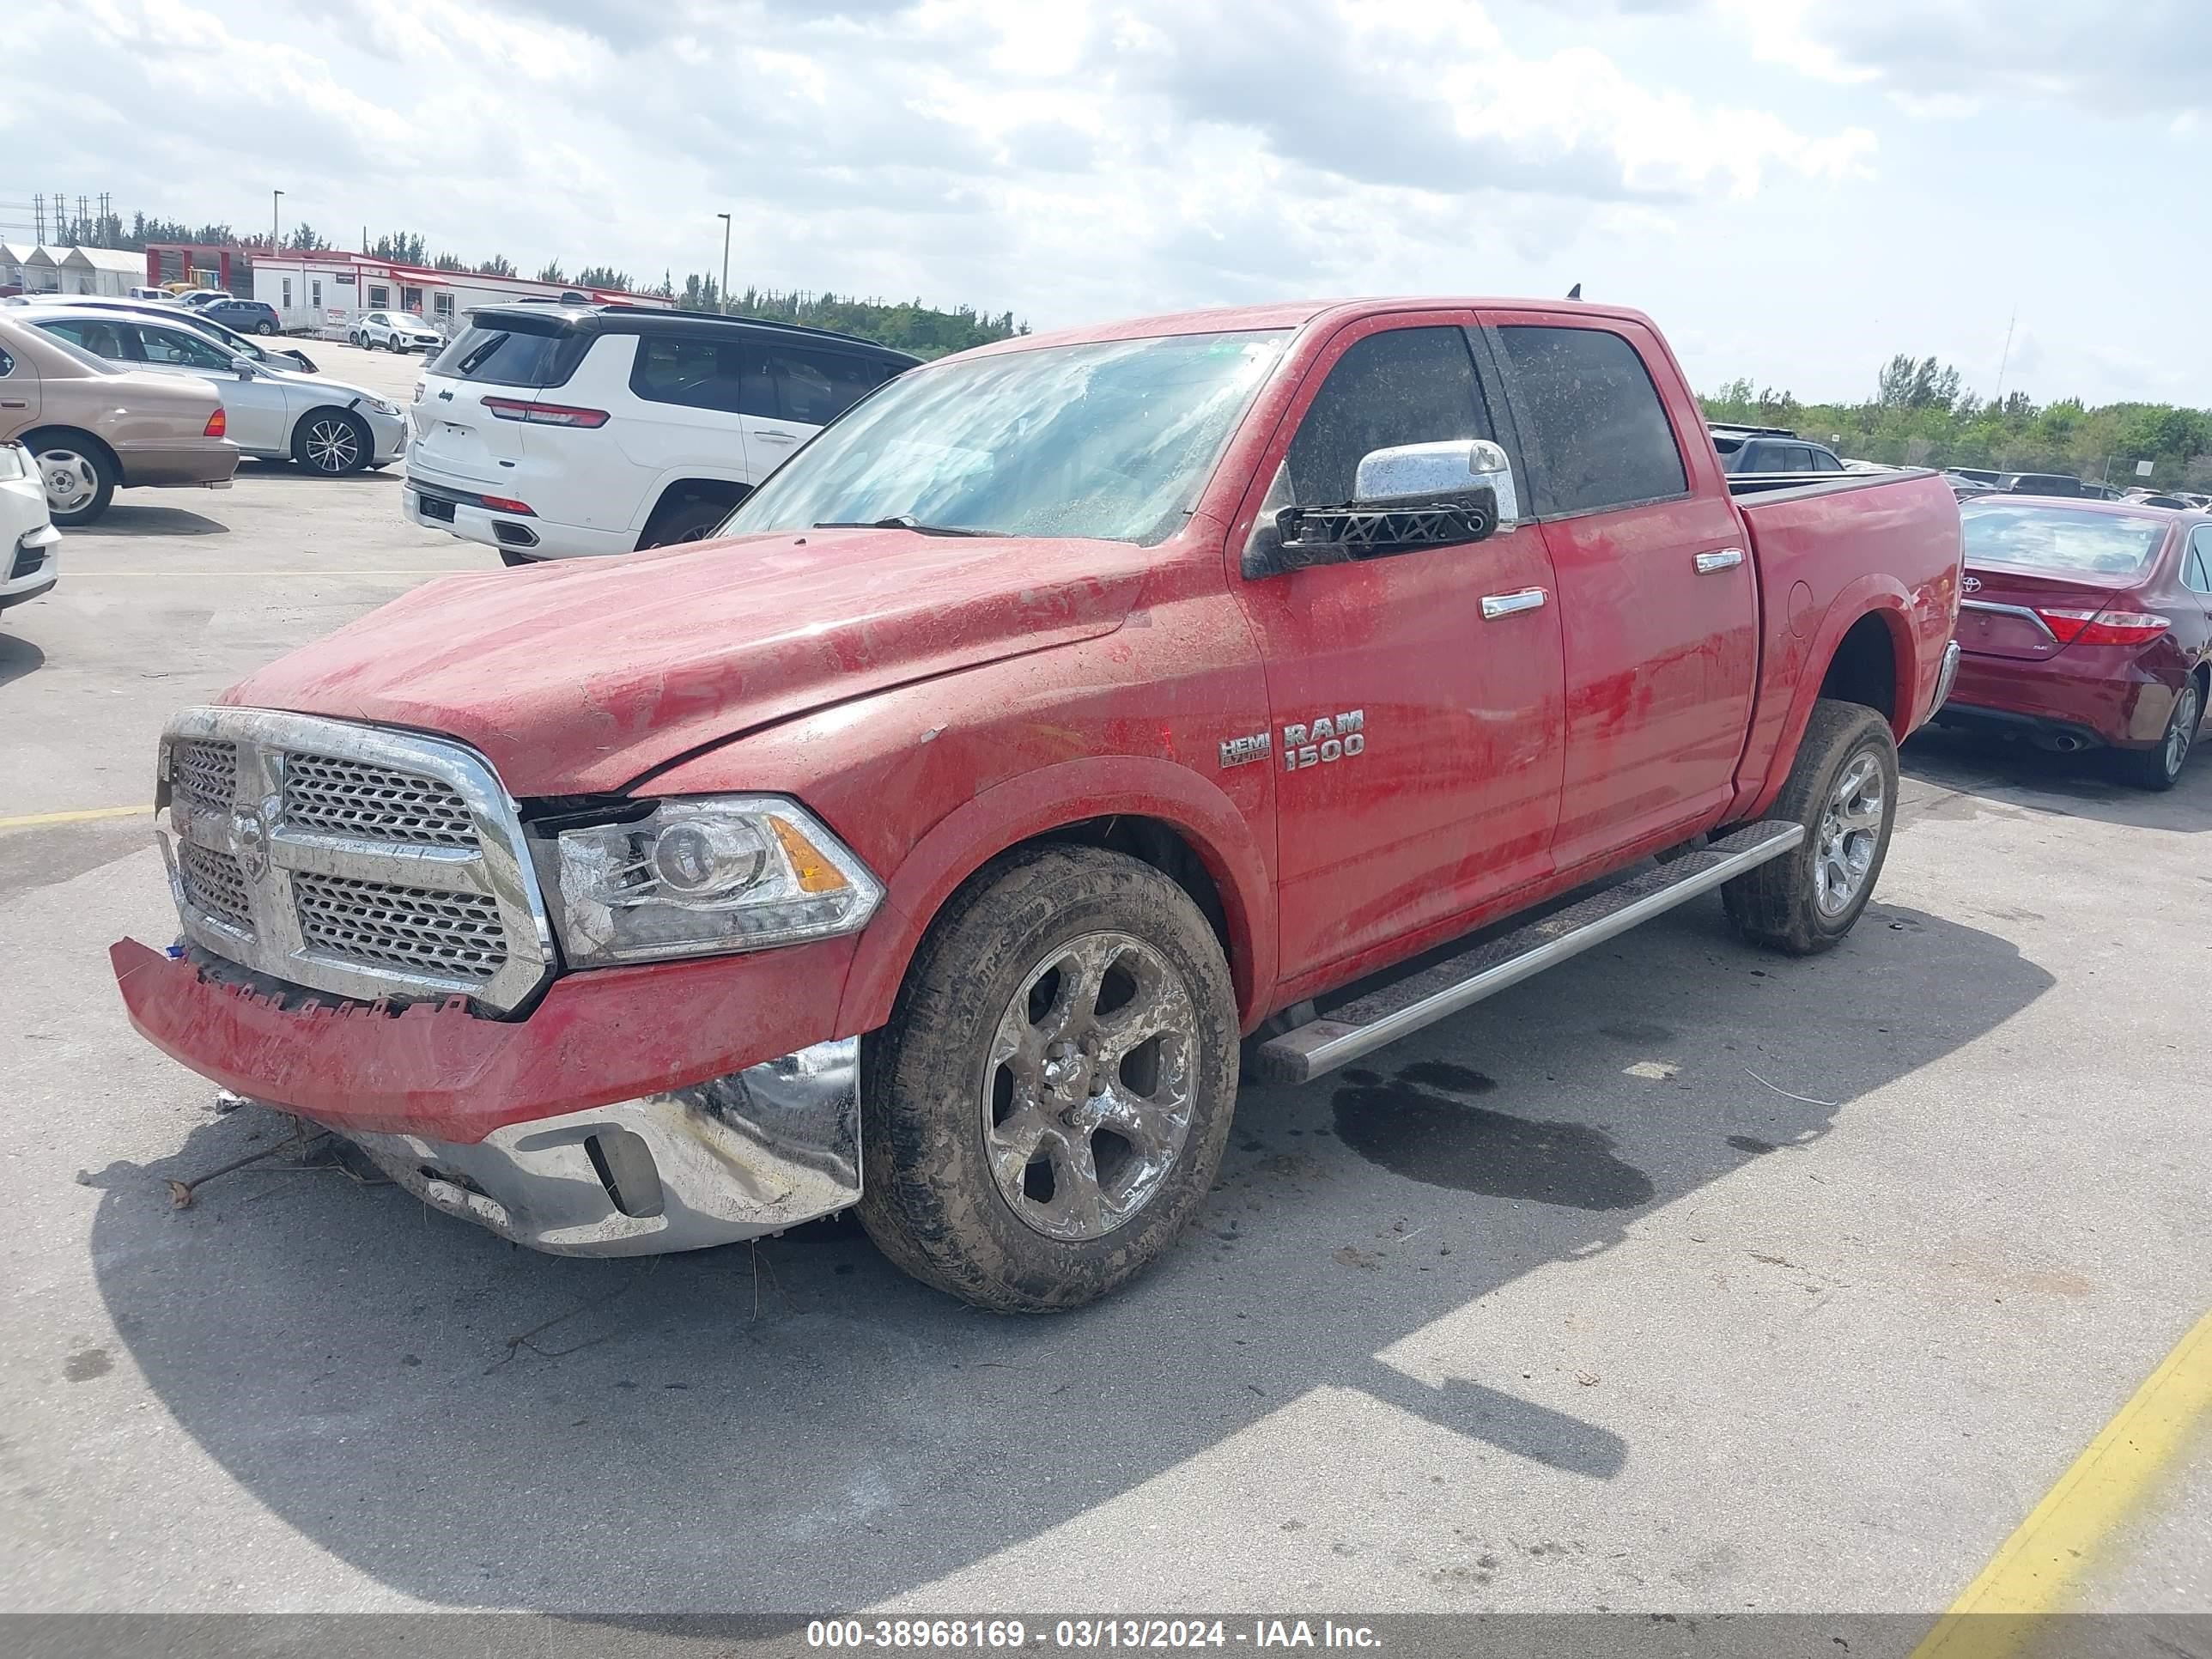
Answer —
1946 677
751 1153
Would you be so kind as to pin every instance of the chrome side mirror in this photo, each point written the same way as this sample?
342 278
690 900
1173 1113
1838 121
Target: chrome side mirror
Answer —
1406 498
1415 474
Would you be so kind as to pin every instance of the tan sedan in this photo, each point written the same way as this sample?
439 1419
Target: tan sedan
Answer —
96 428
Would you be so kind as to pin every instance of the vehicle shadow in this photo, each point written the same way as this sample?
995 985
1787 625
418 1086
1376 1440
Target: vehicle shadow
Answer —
18 657
796 1425
134 518
1971 769
257 467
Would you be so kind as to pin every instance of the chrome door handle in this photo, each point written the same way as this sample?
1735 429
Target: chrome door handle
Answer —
1495 605
1726 559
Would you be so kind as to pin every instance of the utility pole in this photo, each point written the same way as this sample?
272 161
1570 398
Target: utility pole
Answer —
2005 360
722 295
276 235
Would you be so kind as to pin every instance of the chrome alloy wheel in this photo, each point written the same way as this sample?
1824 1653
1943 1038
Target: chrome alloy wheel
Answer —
2181 730
1850 831
69 479
333 445
1089 1087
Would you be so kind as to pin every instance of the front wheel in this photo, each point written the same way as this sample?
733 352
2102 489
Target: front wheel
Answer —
1048 1104
332 442
1843 790
2160 768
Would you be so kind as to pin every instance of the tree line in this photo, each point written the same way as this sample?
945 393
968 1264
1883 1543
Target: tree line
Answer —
1920 415
907 324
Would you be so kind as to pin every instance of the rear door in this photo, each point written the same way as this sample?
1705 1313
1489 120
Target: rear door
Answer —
1657 594
697 394
18 394
813 388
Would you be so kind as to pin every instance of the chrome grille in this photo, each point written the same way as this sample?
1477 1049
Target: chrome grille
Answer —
214 883
450 935
366 862
205 774
354 797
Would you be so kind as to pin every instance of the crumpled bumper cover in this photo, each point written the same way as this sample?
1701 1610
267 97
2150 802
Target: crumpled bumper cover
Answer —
441 1072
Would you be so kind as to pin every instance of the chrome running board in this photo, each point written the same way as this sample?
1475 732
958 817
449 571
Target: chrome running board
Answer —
1460 981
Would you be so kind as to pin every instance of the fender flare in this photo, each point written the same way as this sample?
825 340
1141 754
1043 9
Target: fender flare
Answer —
1873 595
1051 797
669 477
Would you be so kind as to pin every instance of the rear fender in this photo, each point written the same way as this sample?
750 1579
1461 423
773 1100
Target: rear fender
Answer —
1048 798
1802 663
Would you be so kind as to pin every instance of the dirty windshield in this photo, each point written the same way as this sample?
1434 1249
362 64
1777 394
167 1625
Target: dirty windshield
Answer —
1111 441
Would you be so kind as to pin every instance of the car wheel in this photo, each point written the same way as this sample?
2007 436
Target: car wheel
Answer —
1843 790
333 442
264 326
1047 1107
354 339
2160 768
514 560
686 519
79 475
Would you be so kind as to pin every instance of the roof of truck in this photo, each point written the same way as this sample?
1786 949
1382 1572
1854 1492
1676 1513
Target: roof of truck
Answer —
1291 313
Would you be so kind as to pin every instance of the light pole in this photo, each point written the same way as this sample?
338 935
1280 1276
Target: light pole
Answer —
724 291
276 235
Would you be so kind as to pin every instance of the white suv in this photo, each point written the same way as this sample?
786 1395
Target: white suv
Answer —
552 432
395 330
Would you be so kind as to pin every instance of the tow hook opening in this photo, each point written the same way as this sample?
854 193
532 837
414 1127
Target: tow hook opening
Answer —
624 1165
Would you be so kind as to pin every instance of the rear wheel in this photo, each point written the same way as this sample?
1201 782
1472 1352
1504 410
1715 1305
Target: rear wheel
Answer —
2160 768
264 326
687 518
333 442
79 475
1048 1104
514 560
1843 790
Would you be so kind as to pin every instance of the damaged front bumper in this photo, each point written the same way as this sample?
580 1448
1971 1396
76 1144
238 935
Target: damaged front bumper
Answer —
751 1153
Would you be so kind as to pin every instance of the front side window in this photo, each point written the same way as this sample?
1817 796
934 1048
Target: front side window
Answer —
1600 436
725 373
1408 385
175 346
815 387
1112 439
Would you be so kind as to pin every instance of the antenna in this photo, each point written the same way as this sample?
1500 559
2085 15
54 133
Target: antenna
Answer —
2005 360
1576 292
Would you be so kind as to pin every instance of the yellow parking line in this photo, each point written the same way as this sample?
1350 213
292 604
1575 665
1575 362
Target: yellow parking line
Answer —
37 818
2042 1564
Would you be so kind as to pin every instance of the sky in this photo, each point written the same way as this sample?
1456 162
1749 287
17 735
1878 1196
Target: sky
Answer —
1793 189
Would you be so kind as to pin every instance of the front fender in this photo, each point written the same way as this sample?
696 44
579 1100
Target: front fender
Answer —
1047 799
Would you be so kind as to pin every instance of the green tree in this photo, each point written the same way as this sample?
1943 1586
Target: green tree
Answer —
550 271
498 265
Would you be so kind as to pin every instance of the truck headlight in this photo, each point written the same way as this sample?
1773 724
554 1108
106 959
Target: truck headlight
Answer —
701 876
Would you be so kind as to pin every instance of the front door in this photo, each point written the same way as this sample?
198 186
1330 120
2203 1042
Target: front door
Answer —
1416 742
1657 593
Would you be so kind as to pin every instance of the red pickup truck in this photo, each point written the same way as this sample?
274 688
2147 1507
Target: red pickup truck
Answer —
1071 719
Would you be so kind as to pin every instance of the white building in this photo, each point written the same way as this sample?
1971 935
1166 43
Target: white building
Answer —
110 272
13 258
329 289
41 271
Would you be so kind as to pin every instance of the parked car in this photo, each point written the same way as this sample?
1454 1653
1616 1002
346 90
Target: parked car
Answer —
1771 449
1966 485
152 296
2063 485
243 345
2087 625
1981 475
1068 709
94 427
247 316
395 330
194 298
30 546
324 425
551 432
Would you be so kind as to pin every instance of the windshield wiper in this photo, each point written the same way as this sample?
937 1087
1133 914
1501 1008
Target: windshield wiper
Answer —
900 521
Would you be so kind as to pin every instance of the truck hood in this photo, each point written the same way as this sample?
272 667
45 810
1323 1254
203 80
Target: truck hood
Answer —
574 677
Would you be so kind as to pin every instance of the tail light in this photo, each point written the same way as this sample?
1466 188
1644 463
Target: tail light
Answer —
218 423
505 504
512 409
2102 626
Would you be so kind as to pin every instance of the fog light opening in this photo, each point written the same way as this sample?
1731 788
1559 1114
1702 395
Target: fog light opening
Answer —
624 1165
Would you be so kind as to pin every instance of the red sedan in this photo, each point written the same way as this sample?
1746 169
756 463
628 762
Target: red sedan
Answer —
2087 624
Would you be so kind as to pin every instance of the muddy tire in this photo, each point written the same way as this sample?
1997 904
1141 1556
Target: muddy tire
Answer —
1047 1107
1843 790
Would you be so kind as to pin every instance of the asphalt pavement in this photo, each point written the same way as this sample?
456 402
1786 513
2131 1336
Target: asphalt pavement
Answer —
1683 1277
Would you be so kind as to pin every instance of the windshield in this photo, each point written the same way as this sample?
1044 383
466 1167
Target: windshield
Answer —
408 319
1110 440
2062 538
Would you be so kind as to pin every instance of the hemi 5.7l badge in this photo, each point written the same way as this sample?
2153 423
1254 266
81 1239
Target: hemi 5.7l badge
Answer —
1236 751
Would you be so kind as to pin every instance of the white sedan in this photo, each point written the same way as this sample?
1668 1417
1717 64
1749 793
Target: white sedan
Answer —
29 541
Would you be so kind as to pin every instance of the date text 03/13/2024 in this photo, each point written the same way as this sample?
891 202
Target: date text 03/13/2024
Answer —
1014 1635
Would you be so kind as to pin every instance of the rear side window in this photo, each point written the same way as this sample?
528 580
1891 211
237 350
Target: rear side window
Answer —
815 387
1409 385
506 354
7 364
1602 438
728 374
101 339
